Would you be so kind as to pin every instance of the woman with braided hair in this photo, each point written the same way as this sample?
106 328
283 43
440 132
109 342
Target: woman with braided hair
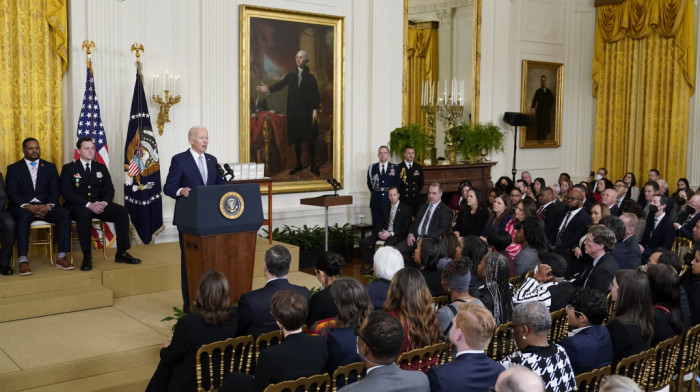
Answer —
496 293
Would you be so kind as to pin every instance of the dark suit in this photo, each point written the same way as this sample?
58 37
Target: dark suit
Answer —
574 230
468 372
78 188
298 355
615 210
254 307
660 237
600 276
7 229
411 184
440 222
378 185
22 191
378 290
391 378
402 222
184 173
176 369
687 224
627 253
552 216
543 102
589 349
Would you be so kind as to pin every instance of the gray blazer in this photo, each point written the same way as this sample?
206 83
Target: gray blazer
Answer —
391 378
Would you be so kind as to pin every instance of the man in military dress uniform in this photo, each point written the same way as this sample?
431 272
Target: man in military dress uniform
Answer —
380 177
88 192
411 180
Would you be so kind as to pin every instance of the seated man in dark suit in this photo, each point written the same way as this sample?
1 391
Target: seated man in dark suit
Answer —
379 341
621 189
32 184
550 212
599 242
659 232
396 221
88 192
471 332
254 306
572 227
7 232
609 198
590 346
432 219
298 355
687 219
634 259
625 257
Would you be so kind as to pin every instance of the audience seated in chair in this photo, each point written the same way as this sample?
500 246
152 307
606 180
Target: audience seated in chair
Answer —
471 331
519 379
693 289
321 306
212 319
455 278
496 294
298 355
618 383
387 262
379 342
430 251
599 243
547 285
665 287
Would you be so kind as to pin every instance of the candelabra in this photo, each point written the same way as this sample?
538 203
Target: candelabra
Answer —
449 108
171 84
449 111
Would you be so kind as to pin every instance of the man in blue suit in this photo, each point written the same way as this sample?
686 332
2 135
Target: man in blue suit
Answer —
572 227
254 317
590 346
32 184
472 329
188 170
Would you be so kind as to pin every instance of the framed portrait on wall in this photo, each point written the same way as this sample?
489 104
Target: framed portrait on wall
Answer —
291 96
542 90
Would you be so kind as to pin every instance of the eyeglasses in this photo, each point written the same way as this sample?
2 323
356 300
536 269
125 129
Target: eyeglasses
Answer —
356 331
620 185
569 308
569 198
513 326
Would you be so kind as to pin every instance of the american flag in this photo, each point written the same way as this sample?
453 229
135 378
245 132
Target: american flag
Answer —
90 125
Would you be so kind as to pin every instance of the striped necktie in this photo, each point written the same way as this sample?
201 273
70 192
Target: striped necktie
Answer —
34 171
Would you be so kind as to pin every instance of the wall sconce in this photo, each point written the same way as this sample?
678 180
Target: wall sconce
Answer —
170 85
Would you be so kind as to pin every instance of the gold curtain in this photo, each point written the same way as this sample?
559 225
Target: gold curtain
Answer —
643 77
33 59
421 65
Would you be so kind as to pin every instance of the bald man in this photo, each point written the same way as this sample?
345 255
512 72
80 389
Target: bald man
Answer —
573 226
687 219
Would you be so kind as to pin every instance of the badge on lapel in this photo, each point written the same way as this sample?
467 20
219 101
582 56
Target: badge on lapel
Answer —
99 174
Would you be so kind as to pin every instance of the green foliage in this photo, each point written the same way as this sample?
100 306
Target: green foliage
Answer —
469 138
314 237
412 135
315 290
177 314
342 236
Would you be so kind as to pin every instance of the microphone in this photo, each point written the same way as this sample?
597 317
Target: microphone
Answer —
229 170
221 171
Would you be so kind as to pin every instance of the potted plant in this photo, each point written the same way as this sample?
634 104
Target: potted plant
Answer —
342 240
412 135
474 140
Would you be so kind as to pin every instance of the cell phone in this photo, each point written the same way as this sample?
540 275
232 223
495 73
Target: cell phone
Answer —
592 173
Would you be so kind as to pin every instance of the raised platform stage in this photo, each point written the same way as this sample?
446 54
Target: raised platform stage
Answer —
97 330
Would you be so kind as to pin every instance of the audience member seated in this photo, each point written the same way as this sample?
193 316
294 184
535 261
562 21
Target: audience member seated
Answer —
211 319
618 383
353 305
633 190
588 198
297 355
547 286
632 326
687 220
694 289
453 248
519 379
431 251
474 249
387 262
254 306
492 195
505 184
537 185
660 231
498 240
649 189
550 211
598 212
529 233
572 227
634 208
409 301
379 342
459 198
327 268
496 294
680 205
626 250
665 287
500 214
531 324
471 331
564 187
599 242
472 216
455 279
666 257
7 232
588 344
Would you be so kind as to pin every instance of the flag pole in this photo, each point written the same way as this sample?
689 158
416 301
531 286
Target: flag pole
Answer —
89 46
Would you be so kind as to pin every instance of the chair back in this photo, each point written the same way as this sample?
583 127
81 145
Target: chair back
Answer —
266 340
424 358
348 374
440 301
317 383
681 246
529 274
637 367
221 358
502 343
690 355
611 309
663 367
560 326
515 281
589 381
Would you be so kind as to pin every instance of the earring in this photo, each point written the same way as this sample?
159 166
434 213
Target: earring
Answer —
524 337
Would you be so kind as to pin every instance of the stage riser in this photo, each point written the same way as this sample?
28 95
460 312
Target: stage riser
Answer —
47 279
129 380
55 302
143 279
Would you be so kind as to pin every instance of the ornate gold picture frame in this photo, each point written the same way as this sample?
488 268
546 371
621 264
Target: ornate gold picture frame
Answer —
541 97
292 110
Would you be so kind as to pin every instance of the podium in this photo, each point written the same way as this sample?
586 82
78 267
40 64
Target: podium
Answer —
219 225
327 201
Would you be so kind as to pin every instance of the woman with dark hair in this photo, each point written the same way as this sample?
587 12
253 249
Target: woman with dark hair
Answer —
693 290
665 286
496 294
459 198
530 234
471 217
493 194
500 214
537 185
452 246
632 326
431 251
321 306
631 180
210 320
680 198
455 280
409 300
598 212
589 191
524 209
602 185
474 249
505 184
353 304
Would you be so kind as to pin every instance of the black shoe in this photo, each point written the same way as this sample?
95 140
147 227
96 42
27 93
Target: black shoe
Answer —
367 271
87 264
314 169
6 270
123 257
296 170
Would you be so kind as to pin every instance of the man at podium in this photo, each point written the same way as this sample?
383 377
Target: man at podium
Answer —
191 169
